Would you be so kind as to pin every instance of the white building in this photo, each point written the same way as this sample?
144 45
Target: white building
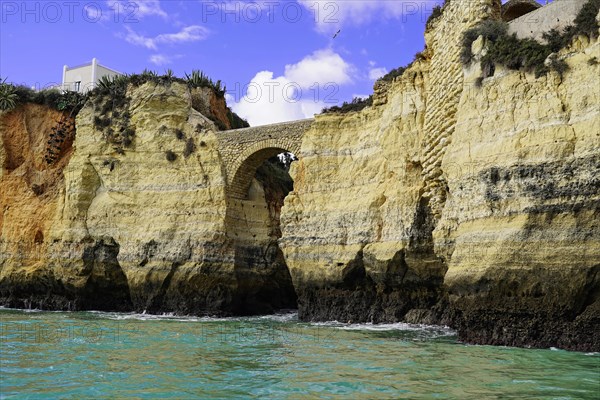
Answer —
83 78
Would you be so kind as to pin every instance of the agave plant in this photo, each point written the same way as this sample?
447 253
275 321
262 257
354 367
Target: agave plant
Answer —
113 85
8 97
149 73
105 82
70 100
198 79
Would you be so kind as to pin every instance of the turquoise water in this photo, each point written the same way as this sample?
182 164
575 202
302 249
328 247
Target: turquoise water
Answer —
89 355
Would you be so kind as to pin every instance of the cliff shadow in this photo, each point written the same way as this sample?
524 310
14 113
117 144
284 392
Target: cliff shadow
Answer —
253 229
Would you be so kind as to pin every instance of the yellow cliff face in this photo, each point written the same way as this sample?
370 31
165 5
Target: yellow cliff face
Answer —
29 190
521 220
356 193
161 213
369 190
455 202
136 218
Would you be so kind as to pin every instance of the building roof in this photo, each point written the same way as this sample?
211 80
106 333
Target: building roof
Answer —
90 63
514 9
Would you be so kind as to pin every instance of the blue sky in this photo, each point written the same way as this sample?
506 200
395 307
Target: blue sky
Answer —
279 59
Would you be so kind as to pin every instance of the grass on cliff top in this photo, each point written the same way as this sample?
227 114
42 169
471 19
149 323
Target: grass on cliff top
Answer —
12 96
118 84
113 89
357 104
528 54
398 72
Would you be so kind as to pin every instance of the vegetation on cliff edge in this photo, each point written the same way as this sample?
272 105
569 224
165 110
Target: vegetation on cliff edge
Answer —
437 12
110 94
528 54
12 96
357 104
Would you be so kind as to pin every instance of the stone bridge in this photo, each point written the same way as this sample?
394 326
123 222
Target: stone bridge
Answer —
244 150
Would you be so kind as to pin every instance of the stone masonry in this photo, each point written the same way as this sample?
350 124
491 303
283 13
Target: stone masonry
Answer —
244 150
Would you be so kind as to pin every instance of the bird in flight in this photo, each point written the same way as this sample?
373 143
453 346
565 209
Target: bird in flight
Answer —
337 33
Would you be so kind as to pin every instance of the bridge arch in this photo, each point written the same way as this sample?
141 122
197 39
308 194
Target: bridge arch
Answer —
244 150
245 166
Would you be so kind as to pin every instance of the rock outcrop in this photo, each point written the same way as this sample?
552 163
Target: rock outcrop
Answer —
142 222
520 231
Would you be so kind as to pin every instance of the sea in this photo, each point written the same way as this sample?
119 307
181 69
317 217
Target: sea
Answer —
100 355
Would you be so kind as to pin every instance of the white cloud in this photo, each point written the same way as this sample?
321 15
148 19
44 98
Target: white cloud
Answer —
265 102
322 66
331 15
139 40
376 73
160 59
192 33
137 9
299 93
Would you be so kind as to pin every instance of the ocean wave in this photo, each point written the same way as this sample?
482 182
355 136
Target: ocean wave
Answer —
398 326
280 317
28 310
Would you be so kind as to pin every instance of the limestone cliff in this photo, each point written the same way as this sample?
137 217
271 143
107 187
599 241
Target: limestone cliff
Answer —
455 201
520 231
137 219
349 226
369 239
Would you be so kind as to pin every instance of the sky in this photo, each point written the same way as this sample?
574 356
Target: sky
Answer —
280 60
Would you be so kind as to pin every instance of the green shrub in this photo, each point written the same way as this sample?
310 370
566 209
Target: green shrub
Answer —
559 66
235 121
393 74
490 30
8 97
585 22
199 80
357 104
171 157
437 12
397 72
11 96
127 135
528 54
190 147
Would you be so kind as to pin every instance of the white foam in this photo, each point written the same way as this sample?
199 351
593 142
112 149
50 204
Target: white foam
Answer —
284 317
398 326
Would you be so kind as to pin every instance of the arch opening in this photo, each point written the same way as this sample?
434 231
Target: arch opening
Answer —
514 9
255 199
